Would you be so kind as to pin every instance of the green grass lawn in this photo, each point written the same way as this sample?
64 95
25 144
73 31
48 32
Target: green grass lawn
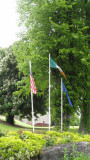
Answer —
17 122
5 128
73 129
20 126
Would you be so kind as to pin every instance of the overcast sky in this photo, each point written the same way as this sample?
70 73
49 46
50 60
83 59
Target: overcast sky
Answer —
8 23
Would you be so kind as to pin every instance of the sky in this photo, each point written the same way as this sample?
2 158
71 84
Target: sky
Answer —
8 23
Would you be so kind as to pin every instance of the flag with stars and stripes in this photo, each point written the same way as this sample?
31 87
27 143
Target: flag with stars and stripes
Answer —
33 87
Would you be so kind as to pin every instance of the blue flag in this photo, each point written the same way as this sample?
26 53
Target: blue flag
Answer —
65 90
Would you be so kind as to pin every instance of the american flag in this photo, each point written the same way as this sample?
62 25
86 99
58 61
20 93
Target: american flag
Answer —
33 87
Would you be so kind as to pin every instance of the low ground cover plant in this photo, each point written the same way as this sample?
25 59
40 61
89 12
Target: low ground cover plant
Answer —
16 146
75 155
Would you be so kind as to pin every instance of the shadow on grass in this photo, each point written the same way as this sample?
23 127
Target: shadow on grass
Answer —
4 126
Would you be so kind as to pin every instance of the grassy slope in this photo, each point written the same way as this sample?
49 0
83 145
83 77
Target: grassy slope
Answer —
17 122
23 126
18 126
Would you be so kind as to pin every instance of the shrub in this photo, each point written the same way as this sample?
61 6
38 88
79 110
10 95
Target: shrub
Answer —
9 146
65 137
53 134
20 147
33 137
12 133
2 133
14 146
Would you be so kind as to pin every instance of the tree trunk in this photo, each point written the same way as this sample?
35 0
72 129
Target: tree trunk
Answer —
66 121
85 118
10 119
81 128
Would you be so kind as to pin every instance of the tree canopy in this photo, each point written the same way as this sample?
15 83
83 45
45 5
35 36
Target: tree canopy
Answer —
58 27
10 103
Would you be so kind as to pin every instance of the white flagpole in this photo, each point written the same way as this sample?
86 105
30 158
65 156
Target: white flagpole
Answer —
61 107
31 99
32 113
49 95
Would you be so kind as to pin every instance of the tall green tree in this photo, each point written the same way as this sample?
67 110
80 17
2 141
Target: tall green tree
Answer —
10 103
57 27
85 111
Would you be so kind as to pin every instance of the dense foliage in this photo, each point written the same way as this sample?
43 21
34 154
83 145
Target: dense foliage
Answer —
9 77
26 145
61 28
11 104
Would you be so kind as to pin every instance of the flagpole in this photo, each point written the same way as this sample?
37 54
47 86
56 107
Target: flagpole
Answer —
61 107
31 99
49 94
32 112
